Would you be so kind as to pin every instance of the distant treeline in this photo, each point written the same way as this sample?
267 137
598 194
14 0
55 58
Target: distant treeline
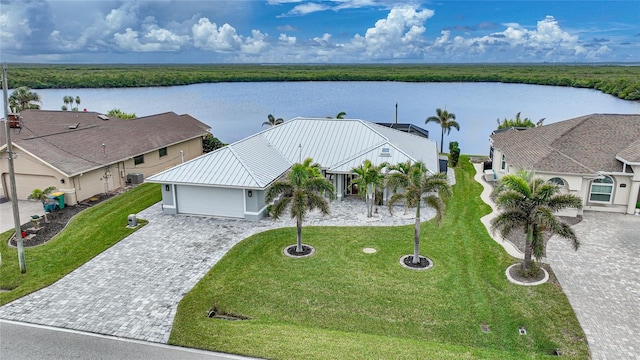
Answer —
620 81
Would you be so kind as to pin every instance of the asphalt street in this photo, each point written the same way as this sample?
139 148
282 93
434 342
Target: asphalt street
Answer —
19 341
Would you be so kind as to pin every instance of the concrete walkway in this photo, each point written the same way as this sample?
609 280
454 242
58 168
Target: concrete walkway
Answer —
486 220
132 290
602 282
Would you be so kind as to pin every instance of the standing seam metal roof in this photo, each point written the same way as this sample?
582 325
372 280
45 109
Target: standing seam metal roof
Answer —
337 145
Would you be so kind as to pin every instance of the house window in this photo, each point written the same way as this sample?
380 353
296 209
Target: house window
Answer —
138 160
162 152
562 185
503 163
601 190
557 181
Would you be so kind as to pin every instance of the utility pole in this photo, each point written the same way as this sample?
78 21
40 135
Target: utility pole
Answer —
12 175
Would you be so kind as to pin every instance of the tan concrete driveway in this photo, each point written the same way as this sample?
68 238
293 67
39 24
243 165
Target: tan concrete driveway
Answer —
26 208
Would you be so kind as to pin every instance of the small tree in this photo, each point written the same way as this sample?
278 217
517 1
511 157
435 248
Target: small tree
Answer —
122 115
42 195
454 153
370 177
301 191
529 203
272 121
518 122
211 143
446 120
23 98
421 185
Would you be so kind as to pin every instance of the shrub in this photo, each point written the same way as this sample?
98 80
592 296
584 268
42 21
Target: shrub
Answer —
454 153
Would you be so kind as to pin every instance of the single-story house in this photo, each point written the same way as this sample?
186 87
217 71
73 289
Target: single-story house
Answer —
232 181
596 157
87 153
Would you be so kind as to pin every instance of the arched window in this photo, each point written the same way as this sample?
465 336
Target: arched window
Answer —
557 181
601 190
564 187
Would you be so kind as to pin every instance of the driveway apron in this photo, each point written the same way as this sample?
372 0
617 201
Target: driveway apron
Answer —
602 282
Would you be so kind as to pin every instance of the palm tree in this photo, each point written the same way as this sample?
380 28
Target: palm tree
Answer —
399 182
68 101
341 115
446 120
272 121
517 122
77 102
302 191
419 185
529 203
369 178
23 98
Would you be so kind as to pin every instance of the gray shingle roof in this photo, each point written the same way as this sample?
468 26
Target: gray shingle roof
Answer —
337 145
47 135
582 145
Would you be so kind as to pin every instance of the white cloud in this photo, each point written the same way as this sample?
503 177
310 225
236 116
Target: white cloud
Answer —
324 40
154 39
13 29
288 40
547 42
399 35
309 8
256 43
207 36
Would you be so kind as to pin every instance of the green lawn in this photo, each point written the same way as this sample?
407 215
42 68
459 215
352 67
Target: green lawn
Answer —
344 304
88 234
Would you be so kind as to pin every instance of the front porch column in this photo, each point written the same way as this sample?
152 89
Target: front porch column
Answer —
634 196
339 185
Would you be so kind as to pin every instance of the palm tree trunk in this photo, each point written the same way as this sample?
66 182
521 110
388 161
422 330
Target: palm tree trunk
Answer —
441 140
526 265
369 201
416 237
299 235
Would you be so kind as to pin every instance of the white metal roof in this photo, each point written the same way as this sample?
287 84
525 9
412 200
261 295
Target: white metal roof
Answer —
338 145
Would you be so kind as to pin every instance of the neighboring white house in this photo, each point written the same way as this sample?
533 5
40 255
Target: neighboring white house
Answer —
596 157
232 181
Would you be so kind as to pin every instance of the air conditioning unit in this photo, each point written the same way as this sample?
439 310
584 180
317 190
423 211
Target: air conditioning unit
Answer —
135 178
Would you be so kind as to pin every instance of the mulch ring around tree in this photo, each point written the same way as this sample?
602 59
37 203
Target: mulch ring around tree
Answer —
424 264
56 221
307 250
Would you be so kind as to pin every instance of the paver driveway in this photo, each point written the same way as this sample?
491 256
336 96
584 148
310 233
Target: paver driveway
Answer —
132 290
602 282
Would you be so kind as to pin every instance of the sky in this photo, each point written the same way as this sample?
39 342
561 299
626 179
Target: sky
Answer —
340 31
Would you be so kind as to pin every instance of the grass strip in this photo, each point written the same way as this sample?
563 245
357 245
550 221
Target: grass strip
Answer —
343 303
88 234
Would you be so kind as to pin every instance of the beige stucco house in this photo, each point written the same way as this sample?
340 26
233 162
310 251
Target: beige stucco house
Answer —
596 157
87 153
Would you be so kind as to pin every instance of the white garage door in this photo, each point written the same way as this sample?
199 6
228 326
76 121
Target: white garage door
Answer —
202 200
26 183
